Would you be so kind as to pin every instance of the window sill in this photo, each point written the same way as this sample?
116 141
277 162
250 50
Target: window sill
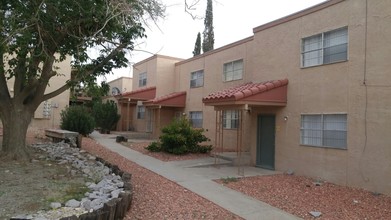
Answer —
323 147
230 129
232 80
326 64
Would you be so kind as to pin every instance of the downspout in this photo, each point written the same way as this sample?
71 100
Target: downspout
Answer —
364 83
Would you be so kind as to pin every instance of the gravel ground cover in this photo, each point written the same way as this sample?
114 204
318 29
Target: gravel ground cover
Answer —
155 197
140 147
300 195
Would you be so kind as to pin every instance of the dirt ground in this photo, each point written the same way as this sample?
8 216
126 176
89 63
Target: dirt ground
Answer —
26 187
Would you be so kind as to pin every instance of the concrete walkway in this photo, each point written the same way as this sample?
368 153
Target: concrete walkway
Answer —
197 176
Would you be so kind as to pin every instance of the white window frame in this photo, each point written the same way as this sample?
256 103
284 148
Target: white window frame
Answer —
325 48
230 119
197 79
233 70
142 79
196 119
140 112
324 130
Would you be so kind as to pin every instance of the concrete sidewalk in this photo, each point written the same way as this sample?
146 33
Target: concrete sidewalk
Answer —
197 176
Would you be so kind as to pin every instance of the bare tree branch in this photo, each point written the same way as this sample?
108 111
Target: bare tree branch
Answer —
190 8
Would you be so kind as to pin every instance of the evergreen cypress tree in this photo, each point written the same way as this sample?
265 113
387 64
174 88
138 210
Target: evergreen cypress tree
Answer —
208 34
197 46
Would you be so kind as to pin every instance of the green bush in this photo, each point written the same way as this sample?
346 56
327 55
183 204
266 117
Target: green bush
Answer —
154 147
78 119
106 115
180 138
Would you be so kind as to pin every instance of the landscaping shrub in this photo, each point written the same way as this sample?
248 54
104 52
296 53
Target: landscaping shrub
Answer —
154 147
78 119
180 138
106 115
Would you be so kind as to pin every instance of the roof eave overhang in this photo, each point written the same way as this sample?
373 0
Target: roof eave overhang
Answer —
152 105
176 101
139 95
249 103
274 97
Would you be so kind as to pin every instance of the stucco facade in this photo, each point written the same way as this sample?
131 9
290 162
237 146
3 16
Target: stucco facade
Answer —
120 85
157 79
353 86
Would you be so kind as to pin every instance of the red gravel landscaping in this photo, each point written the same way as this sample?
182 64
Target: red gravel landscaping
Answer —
300 195
156 197
295 194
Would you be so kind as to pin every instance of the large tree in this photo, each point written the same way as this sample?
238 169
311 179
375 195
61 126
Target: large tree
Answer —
197 45
36 34
208 34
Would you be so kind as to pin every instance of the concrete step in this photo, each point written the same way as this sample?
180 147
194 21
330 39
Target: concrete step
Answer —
243 160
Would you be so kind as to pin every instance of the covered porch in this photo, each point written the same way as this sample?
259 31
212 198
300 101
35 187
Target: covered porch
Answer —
237 113
127 106
162 110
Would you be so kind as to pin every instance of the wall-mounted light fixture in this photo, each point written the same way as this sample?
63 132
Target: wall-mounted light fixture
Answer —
285 118
247 108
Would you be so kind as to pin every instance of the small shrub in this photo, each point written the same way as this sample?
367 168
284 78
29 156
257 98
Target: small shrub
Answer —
204 149
229 179
180 138
78 119
154 147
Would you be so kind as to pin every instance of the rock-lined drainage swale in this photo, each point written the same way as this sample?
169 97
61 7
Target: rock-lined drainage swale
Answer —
109 195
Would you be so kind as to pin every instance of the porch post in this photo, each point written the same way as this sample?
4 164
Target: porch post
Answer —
219 136
239 142
128 116
158 120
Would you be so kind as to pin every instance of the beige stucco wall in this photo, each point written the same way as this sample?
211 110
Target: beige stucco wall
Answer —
160 72
58 103
124 84
148 66
212 64
334 88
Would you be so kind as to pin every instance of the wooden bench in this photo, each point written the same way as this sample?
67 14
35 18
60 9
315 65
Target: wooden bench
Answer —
71 137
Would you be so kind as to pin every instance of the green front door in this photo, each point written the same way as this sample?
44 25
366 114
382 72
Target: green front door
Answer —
266 141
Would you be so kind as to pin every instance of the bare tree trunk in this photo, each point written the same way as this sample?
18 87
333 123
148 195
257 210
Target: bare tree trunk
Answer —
15 125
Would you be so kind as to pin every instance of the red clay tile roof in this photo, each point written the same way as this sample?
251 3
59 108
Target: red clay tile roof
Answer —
172 99
243 91
137 91
139 94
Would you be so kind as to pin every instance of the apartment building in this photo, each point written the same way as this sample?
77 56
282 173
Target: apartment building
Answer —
140 111
308 93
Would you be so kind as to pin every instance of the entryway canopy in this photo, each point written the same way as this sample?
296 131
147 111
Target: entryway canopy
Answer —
137 95
175 99
268 93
